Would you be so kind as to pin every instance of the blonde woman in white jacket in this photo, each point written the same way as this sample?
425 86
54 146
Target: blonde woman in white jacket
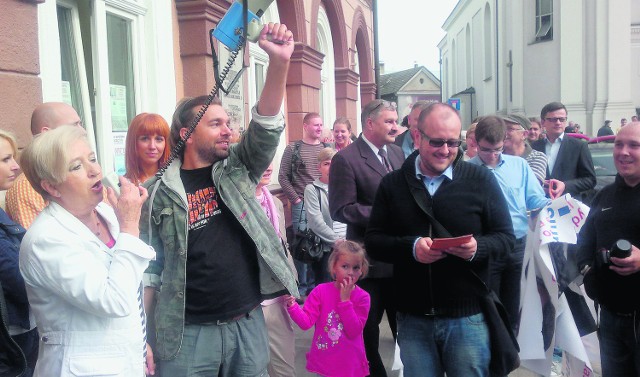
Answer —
82 263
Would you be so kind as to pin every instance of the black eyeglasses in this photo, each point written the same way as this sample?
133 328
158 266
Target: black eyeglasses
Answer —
490 150
438 143
553 120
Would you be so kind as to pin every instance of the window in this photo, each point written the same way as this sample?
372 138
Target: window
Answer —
259 77
121 89
70 77
96 55
469 61
544 20
488 46
327 73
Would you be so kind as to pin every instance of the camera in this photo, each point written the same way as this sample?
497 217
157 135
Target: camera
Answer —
620 249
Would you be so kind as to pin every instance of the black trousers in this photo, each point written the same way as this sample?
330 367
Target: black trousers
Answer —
381 292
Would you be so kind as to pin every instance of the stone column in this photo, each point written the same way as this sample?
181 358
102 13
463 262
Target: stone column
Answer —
195 19
303 87
347 94
19 67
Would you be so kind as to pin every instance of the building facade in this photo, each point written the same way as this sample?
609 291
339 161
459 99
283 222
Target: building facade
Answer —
113 59
408 86
516 56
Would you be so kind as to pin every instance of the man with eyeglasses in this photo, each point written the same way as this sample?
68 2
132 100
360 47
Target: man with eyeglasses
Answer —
356 172
441 327
515 144
570 167
22 201
522 192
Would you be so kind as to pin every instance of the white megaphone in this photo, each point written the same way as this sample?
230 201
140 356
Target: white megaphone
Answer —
230 29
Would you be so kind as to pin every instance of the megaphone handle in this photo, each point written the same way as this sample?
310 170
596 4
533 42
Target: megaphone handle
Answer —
276 41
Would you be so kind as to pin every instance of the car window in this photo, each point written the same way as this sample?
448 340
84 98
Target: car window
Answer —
602 155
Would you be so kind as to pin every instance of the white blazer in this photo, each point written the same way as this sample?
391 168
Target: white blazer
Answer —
84 295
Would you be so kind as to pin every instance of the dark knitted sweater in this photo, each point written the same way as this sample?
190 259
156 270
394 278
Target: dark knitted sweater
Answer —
613 215
470 203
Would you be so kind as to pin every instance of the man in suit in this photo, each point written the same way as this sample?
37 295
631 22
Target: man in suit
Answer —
406 139
570 168
356 172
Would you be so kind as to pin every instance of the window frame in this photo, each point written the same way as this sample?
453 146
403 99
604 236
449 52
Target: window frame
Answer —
544 21
327 93
85 100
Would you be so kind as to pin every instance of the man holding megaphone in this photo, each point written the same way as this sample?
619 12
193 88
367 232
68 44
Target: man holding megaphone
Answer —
218 256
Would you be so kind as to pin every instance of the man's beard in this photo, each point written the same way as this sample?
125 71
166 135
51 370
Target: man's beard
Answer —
210 154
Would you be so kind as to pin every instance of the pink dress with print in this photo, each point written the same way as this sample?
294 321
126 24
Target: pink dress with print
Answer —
337 349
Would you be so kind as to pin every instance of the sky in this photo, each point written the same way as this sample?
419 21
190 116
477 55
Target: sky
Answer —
409 32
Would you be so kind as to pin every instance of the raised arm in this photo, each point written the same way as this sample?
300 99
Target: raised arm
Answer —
277 41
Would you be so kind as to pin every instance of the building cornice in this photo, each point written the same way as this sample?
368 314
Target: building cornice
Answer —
347 75
454 13
305 54
201 9
368 88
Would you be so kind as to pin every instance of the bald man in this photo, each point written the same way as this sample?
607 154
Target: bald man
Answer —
22 201
614 285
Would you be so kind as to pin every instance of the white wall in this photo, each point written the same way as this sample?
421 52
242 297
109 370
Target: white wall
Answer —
592 64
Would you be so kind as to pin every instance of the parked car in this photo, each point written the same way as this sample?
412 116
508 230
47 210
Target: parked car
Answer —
602 156
578 136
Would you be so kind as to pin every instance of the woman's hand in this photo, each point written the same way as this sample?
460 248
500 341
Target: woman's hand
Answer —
127 206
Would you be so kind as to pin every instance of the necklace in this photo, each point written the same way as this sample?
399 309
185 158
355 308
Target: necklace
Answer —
97 232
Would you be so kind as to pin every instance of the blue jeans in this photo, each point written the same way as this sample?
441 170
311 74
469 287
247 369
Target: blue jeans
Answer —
305 274
236 348
431 346
619 347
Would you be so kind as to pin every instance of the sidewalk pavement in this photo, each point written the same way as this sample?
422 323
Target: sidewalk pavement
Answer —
387 349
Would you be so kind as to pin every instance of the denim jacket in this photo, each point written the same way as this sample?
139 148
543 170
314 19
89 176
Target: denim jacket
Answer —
163 225
13 285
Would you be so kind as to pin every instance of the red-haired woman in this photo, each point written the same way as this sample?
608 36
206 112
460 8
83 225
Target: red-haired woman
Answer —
146 147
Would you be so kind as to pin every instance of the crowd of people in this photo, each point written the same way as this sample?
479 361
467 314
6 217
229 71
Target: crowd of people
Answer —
189 272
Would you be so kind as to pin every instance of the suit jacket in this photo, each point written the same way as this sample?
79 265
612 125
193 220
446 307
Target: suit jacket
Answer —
354 177
573 166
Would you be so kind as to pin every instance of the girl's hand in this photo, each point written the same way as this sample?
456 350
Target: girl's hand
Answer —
290 300
346 287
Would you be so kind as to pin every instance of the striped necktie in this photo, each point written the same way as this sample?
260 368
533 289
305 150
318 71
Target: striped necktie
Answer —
385 162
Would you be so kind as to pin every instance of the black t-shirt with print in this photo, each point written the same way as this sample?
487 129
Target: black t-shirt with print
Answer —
222 263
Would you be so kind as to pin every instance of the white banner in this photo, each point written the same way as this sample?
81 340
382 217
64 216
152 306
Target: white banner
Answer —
546 320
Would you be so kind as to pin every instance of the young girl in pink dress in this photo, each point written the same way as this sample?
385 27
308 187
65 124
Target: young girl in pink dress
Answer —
338 310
